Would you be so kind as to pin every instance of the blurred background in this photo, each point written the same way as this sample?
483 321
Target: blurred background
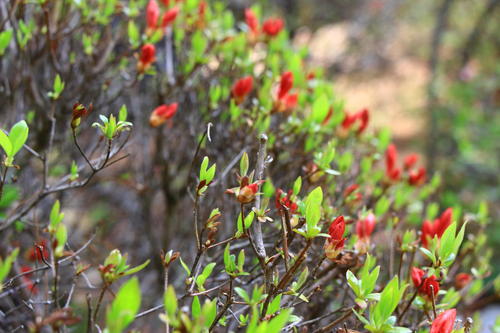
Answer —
428 70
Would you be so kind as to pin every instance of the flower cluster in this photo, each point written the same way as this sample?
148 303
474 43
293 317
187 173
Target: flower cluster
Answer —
242 88
415 177
427 286
153 14
360 118
271 27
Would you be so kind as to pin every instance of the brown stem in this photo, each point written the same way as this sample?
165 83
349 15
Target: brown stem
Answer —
229 301
99 302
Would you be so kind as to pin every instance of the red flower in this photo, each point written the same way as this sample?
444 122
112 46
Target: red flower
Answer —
335 243
272 26
391 156
146 58
462 280
252 21
290 101
286 83
152 14
242 88
417 177
169 17
364 227
410 161
162 113
363 117
444 322
426 285
284 200
436 228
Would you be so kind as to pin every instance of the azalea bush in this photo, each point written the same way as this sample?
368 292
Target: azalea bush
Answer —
176 166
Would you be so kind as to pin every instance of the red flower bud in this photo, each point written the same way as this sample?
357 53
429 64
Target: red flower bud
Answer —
410 161
242 88
286 84
444 322
272 26
162 113
169 16
27 282
335 243
365 227
391 157
364 118
146 58
252 21
152 14
417 177
462 280
290 101
426 285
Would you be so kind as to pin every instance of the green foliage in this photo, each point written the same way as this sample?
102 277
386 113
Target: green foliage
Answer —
122 311
13 141
57 88
117 266
5 37
110 128
6 264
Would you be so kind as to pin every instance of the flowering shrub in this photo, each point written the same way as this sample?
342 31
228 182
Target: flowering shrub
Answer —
319 228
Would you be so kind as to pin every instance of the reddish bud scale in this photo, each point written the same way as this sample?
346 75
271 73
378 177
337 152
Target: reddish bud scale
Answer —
248 193
284 200
272 26
39 251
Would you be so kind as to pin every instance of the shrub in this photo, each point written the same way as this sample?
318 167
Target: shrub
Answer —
322 226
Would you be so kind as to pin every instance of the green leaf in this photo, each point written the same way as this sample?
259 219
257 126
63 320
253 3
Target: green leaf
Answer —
313 207
195 307
242 293
18 135
170 302
274 306
61 237
136 268
121 313
55 215
133 34
277 323
203 168
200 280
5 143
297 185
244 164
122 115
320 108
5 37
186 268
5 265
